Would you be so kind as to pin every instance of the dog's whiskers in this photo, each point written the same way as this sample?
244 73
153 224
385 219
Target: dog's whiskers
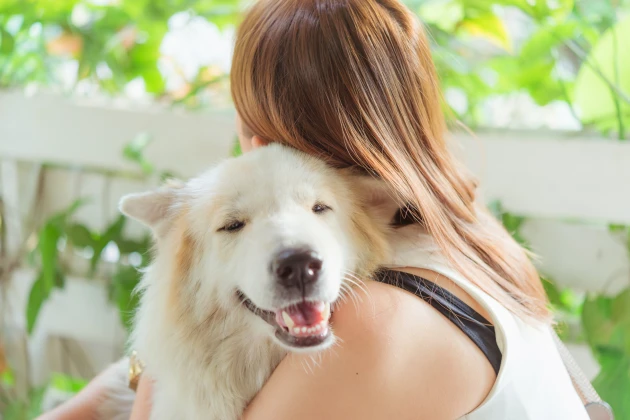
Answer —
349 292
354 280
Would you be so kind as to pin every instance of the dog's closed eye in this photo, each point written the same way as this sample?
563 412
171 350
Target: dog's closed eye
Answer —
233 226
320 208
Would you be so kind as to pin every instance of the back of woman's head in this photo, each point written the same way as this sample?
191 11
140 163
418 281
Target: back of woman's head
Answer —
353 82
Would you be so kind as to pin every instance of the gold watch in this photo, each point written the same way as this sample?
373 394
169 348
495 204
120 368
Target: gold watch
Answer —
135 370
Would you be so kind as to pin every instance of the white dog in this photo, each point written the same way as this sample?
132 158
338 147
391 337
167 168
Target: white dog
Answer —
249 258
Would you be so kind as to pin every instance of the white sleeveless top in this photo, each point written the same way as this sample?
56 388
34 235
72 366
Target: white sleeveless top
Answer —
532 383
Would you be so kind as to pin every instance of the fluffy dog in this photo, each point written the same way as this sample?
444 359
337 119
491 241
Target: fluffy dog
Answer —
249 259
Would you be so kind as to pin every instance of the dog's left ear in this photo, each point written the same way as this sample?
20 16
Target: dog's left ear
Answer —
378 197
153 209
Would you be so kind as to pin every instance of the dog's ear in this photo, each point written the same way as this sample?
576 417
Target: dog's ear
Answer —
377 196
154 208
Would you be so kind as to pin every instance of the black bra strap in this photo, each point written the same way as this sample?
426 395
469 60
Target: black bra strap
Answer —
475 326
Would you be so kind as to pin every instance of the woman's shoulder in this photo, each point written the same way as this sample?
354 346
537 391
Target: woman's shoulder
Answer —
396 356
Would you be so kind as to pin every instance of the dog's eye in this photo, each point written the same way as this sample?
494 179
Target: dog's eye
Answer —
234 226
320 208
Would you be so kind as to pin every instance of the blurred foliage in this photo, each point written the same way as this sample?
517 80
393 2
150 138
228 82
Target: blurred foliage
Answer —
30 407
563 50
606 326
572 53
111 42
62 237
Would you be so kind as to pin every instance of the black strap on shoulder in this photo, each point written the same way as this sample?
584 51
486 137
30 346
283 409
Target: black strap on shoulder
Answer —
475 326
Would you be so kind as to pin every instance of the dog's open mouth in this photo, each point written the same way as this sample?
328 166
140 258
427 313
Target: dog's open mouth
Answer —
302 325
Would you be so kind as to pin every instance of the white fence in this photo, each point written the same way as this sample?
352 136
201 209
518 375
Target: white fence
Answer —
555 179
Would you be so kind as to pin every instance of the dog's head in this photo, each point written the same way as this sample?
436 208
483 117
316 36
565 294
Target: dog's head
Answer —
275 233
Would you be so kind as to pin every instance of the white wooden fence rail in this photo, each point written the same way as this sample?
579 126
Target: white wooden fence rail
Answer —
555 179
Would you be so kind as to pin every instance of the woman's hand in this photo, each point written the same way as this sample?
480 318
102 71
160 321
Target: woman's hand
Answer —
142 404
84 405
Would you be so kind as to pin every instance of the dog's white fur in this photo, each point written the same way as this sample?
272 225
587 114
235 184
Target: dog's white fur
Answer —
209 354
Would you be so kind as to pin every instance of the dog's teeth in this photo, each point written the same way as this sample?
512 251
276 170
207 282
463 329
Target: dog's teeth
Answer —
326 312
287 320
303 329
296 330
318 327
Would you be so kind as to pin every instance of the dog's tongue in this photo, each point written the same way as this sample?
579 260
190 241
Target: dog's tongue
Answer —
303 314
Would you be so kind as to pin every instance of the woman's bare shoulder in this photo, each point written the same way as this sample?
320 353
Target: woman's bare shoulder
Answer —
395 357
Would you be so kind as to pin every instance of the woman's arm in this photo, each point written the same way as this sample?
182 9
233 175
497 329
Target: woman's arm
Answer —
84 405
397 358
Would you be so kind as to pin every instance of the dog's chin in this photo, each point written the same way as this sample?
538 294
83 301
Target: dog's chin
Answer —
299 327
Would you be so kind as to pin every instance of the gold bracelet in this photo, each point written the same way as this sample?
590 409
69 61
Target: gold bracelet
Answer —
135 370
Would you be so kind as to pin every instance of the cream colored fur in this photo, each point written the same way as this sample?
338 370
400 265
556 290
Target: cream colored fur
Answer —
208 354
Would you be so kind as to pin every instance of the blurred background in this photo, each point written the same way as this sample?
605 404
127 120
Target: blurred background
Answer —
103 97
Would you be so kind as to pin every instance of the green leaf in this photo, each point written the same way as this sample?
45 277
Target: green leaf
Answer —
7 42
112 234
127 246
620 308
124 283
496 209
614 228
485 6
34 407
553 293
30 408
40 291
66 383
76 205
600 14
613 384
490 27
621 317
559 9
592 96
25 409
60 279
548 37
7 379
153 80
167 175
564 300
601 331
48 238
236 150
446 15
60 219
80 236
134 151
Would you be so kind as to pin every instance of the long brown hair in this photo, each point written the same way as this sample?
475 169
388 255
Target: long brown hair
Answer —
352 81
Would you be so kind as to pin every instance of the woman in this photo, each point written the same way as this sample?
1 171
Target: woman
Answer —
352 82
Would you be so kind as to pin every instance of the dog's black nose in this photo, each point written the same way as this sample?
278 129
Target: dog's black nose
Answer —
297 267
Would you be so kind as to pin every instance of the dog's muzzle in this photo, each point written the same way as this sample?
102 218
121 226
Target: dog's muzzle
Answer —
301 323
